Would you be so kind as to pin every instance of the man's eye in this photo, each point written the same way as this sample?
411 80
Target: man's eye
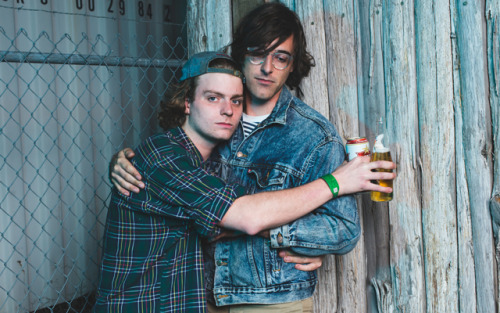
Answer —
211 99
282 58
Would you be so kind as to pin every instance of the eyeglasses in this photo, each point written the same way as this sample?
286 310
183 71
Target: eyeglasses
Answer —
280 60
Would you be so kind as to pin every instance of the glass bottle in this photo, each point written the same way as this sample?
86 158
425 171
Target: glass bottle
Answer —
381 153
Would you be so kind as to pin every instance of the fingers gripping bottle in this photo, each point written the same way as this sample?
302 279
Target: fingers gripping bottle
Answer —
380 152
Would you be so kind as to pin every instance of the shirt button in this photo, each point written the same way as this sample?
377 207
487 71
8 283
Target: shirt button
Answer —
239 154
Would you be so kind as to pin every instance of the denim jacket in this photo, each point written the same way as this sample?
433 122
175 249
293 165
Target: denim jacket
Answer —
293 146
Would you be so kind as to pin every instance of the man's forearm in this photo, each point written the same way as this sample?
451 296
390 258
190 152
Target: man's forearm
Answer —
254 213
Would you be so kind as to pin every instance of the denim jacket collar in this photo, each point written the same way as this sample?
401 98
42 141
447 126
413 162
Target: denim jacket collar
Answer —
279 113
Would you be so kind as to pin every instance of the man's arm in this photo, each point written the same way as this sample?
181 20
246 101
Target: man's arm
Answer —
178 188
332 228
265 210
254 213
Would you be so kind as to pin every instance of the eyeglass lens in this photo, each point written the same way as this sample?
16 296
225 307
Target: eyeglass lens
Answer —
280 60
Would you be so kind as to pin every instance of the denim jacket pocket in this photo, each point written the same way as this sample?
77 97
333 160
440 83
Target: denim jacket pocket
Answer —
269 179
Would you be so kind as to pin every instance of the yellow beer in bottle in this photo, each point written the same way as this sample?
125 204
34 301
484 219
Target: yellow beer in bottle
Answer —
381 153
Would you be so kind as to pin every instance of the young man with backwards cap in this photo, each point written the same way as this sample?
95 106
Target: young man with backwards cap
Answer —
152 259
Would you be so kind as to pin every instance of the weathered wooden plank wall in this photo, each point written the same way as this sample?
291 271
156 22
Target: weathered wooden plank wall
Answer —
466 277
398 48
436 132
493 57
476 131
431 69
209 25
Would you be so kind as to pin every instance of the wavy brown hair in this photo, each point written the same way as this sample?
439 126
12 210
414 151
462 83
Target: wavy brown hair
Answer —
259 28
172 112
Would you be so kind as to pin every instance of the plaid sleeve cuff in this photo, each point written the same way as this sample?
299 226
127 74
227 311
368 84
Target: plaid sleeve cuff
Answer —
220 205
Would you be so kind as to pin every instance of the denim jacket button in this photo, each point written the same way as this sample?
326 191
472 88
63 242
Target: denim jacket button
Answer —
239 154
219 263
280 238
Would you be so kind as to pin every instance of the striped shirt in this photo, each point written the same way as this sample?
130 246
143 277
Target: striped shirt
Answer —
152 260
251 122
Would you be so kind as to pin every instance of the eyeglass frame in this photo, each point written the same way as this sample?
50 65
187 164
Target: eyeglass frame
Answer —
263 57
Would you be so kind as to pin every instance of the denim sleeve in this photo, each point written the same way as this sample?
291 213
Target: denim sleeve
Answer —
331 228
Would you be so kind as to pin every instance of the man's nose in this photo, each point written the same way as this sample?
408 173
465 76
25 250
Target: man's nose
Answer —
267 66
227 108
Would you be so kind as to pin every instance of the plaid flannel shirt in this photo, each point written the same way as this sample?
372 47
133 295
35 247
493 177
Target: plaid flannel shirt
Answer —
152 260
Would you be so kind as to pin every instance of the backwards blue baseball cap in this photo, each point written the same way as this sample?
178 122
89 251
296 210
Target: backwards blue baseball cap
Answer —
199 64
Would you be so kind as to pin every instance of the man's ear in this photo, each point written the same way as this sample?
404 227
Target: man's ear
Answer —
186 105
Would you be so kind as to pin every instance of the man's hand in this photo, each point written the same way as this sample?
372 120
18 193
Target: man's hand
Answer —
303 263
358 174
123 174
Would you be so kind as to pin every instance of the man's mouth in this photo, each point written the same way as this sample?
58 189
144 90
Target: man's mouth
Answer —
264 81
225 125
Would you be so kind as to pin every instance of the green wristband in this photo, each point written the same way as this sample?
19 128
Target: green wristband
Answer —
332 183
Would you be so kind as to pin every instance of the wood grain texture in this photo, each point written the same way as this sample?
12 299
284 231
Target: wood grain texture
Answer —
341 57
476 142
437 146
325 296
219 33
209 25
351 275
196 26
466 276
492 14
401 135
314 86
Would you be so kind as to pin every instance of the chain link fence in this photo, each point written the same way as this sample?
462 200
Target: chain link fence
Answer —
66 105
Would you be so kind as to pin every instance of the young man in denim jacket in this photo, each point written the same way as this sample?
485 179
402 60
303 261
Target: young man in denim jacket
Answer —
282 143
152 254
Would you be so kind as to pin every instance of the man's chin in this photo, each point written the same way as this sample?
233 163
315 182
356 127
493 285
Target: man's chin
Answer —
263 97
225 136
